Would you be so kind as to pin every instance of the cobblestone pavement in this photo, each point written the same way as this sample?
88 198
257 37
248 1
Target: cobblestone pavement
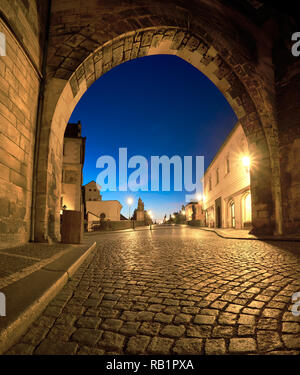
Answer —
174 291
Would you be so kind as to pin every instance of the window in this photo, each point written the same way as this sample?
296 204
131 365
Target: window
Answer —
217 176
227 165
209 181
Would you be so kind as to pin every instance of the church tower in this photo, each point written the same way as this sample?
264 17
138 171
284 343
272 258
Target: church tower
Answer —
140 214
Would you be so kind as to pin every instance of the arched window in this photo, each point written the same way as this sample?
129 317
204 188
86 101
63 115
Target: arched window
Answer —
247 208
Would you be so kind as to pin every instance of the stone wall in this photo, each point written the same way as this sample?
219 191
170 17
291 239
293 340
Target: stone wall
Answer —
27 19
196 223
116 225
19 90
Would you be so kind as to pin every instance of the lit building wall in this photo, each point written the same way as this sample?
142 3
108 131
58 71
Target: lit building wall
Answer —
73 159
227 197
92 192
199 213
111 209
96 206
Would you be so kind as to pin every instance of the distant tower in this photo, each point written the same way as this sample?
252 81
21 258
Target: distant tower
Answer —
140 214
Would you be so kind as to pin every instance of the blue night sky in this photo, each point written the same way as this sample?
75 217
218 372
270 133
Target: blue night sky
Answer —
153 106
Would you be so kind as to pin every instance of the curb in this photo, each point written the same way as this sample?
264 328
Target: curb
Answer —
128 230
253 239
43 285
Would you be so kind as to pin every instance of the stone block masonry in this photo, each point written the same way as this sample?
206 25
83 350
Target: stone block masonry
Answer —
19 89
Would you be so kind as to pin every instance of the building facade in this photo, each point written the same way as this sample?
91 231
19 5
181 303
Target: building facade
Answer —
108 210
194 211
227 195
92 192
73 160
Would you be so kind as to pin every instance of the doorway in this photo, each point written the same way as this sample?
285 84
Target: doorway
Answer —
218 213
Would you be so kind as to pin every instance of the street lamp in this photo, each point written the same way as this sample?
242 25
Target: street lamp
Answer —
151 217
129 202
246 161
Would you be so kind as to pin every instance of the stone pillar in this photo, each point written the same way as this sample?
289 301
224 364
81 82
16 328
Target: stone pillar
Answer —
288 95
238 212
49 167
261 180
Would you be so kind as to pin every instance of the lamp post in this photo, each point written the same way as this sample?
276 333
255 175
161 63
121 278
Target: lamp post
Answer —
149 212
129 202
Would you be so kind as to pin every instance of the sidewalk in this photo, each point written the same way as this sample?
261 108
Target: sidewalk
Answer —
242 234
30 276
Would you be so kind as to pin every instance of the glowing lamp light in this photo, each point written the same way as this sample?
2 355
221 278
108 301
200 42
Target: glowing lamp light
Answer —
199 197
246 161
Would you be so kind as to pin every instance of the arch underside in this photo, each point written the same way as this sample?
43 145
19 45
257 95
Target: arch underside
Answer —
238 81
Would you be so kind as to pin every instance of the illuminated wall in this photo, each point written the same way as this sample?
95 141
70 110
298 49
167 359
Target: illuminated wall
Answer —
72 174
228 178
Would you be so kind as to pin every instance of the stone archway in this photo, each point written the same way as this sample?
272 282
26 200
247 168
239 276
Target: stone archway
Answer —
239 81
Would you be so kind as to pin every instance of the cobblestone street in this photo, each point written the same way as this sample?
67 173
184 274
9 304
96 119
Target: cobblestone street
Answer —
174 290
